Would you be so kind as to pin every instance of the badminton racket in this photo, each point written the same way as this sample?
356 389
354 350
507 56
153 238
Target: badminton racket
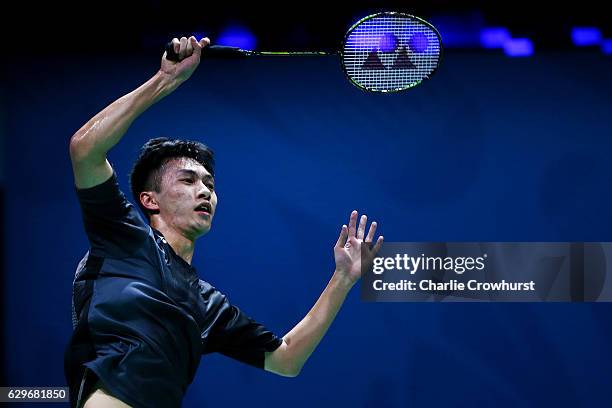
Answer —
383 52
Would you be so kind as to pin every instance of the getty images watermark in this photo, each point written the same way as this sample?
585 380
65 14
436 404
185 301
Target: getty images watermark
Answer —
488 271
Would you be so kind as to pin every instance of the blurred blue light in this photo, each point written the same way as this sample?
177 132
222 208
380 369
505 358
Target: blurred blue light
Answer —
459 30
388 42
606 46
494 37
418 42
237 36
518 47
586 36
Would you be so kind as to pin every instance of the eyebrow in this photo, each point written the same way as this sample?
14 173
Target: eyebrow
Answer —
193 173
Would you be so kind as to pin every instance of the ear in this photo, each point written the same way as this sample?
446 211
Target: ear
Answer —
148 200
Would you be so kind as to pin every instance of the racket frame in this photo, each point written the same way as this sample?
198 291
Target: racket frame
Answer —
391 13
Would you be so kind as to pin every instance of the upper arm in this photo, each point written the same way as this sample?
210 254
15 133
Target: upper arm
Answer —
113 226
236 335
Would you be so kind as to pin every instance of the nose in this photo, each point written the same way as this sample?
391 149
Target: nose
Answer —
204 191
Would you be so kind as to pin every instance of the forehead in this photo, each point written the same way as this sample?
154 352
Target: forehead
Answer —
177 167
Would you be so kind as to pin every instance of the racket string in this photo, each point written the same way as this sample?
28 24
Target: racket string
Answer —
391 52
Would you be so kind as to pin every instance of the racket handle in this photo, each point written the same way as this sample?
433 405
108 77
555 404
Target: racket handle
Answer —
220 51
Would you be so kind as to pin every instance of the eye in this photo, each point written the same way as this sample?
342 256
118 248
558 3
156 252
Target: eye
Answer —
210 186
188 180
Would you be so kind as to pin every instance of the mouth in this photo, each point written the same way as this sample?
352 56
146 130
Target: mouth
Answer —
203 209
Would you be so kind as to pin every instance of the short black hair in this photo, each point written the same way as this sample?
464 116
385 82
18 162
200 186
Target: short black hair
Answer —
146 175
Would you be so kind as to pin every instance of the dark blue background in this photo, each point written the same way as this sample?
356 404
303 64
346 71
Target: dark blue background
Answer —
491 149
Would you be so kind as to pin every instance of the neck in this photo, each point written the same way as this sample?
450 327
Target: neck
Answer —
182 246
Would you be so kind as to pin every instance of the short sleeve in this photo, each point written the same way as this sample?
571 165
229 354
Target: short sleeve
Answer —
238 336
113 226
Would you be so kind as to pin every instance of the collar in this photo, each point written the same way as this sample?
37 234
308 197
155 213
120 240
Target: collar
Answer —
161 240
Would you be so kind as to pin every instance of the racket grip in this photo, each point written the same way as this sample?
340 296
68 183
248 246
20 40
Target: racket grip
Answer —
220 51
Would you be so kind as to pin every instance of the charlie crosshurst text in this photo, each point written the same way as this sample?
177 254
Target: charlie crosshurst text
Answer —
459 265
452 285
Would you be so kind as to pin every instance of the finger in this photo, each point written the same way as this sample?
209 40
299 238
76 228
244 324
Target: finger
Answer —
195 46
189 47
342 237
362 224
379 243
176 45
199 45
352 223
183 48
371 232
204 42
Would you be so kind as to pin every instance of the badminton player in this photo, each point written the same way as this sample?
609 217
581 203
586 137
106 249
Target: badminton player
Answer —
142 317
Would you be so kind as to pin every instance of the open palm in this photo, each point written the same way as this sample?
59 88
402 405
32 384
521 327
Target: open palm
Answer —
348 249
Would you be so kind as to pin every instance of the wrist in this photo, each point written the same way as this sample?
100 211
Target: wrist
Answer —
165 83
343 281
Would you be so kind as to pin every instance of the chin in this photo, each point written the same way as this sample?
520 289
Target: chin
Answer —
203 230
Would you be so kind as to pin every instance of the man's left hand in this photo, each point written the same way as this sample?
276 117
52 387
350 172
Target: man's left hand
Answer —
347 251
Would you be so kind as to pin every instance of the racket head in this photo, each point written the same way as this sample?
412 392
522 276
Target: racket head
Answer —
390 52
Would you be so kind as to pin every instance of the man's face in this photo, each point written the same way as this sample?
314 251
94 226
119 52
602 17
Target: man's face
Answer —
187 200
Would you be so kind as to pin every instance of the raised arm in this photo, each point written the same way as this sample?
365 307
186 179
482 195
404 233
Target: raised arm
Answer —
90 144
300 342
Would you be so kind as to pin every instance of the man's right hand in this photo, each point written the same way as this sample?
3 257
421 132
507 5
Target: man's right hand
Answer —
189 51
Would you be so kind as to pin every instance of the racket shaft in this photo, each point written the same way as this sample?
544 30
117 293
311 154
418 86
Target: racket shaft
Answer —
291 53
223 51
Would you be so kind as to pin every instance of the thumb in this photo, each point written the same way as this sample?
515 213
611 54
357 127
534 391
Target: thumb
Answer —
205 41
198 45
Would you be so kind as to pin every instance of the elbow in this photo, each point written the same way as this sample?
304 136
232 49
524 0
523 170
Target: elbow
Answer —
76 148
286 369
81 150
284 361
290 372
294 371
291 369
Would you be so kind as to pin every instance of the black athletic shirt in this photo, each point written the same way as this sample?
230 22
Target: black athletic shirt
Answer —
142 317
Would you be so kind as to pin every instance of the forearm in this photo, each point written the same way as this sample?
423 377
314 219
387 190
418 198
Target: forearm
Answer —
94 139
301 341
